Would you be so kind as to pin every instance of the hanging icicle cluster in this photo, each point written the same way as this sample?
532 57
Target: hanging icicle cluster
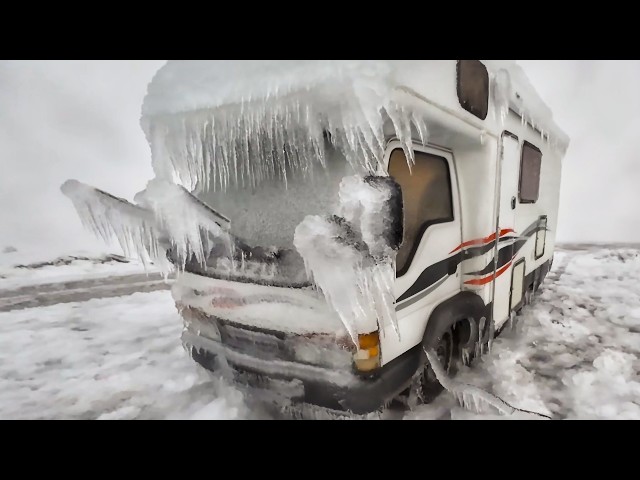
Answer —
243 140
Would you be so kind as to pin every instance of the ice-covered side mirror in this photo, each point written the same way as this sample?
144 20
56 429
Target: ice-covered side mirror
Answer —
392 213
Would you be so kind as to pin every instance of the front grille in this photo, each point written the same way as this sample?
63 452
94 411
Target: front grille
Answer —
269 345
254 342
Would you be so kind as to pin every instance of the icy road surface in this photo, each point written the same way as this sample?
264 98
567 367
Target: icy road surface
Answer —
574 354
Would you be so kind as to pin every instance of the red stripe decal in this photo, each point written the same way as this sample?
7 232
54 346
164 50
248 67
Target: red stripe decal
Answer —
482 241
485 280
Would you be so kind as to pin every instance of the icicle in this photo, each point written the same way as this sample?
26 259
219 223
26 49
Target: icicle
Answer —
134 227
470 396
249 142
501 94
190 224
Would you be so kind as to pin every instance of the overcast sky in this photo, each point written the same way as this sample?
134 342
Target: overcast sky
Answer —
80 119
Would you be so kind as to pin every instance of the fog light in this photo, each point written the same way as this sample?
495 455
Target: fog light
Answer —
367 358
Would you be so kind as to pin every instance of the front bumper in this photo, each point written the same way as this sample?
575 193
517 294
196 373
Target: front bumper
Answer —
325 387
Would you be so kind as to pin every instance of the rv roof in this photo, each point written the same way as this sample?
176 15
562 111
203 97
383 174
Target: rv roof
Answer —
183 86
243 121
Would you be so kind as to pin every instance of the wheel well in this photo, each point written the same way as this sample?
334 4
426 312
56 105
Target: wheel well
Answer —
462 313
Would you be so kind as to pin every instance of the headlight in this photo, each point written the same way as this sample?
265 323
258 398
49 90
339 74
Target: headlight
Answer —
367 358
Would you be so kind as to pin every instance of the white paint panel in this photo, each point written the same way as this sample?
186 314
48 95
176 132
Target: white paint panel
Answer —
436 244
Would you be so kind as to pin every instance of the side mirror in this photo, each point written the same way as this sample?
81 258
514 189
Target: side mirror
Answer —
392 213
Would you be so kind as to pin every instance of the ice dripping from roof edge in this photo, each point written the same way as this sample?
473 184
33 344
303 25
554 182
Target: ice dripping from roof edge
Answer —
247 144
276 125
241 122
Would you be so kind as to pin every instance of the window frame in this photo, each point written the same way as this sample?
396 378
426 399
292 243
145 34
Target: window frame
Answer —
427 224
543 220
473 111
521 176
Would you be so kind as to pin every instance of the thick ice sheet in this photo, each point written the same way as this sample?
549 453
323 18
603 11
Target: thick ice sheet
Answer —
215 123
239 121
297 311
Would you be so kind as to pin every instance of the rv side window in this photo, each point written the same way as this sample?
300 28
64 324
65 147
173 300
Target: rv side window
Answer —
426 197
473 87
530 173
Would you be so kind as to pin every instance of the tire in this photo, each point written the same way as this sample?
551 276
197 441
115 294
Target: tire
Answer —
426 385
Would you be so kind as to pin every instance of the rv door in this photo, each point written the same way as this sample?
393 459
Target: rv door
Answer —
503 252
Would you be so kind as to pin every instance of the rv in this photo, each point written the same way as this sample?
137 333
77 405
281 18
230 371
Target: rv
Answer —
331 221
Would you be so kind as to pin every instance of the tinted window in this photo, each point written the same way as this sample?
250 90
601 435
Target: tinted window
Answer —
426 197
473 87
530 173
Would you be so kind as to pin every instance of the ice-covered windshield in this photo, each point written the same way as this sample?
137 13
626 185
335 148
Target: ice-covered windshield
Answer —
263 219
267 215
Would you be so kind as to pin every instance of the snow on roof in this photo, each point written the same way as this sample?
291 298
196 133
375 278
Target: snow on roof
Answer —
230 103
191 85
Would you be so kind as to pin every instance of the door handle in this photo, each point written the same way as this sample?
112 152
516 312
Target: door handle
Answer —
513 203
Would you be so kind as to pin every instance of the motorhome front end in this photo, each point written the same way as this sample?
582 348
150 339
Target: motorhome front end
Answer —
426 220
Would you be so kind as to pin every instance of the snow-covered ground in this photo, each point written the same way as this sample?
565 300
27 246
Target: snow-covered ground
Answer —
106 359
573 354
20 270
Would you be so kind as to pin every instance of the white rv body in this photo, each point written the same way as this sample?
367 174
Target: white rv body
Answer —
473 265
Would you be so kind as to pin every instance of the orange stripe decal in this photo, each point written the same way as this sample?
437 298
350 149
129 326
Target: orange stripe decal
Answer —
485 280
482 241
